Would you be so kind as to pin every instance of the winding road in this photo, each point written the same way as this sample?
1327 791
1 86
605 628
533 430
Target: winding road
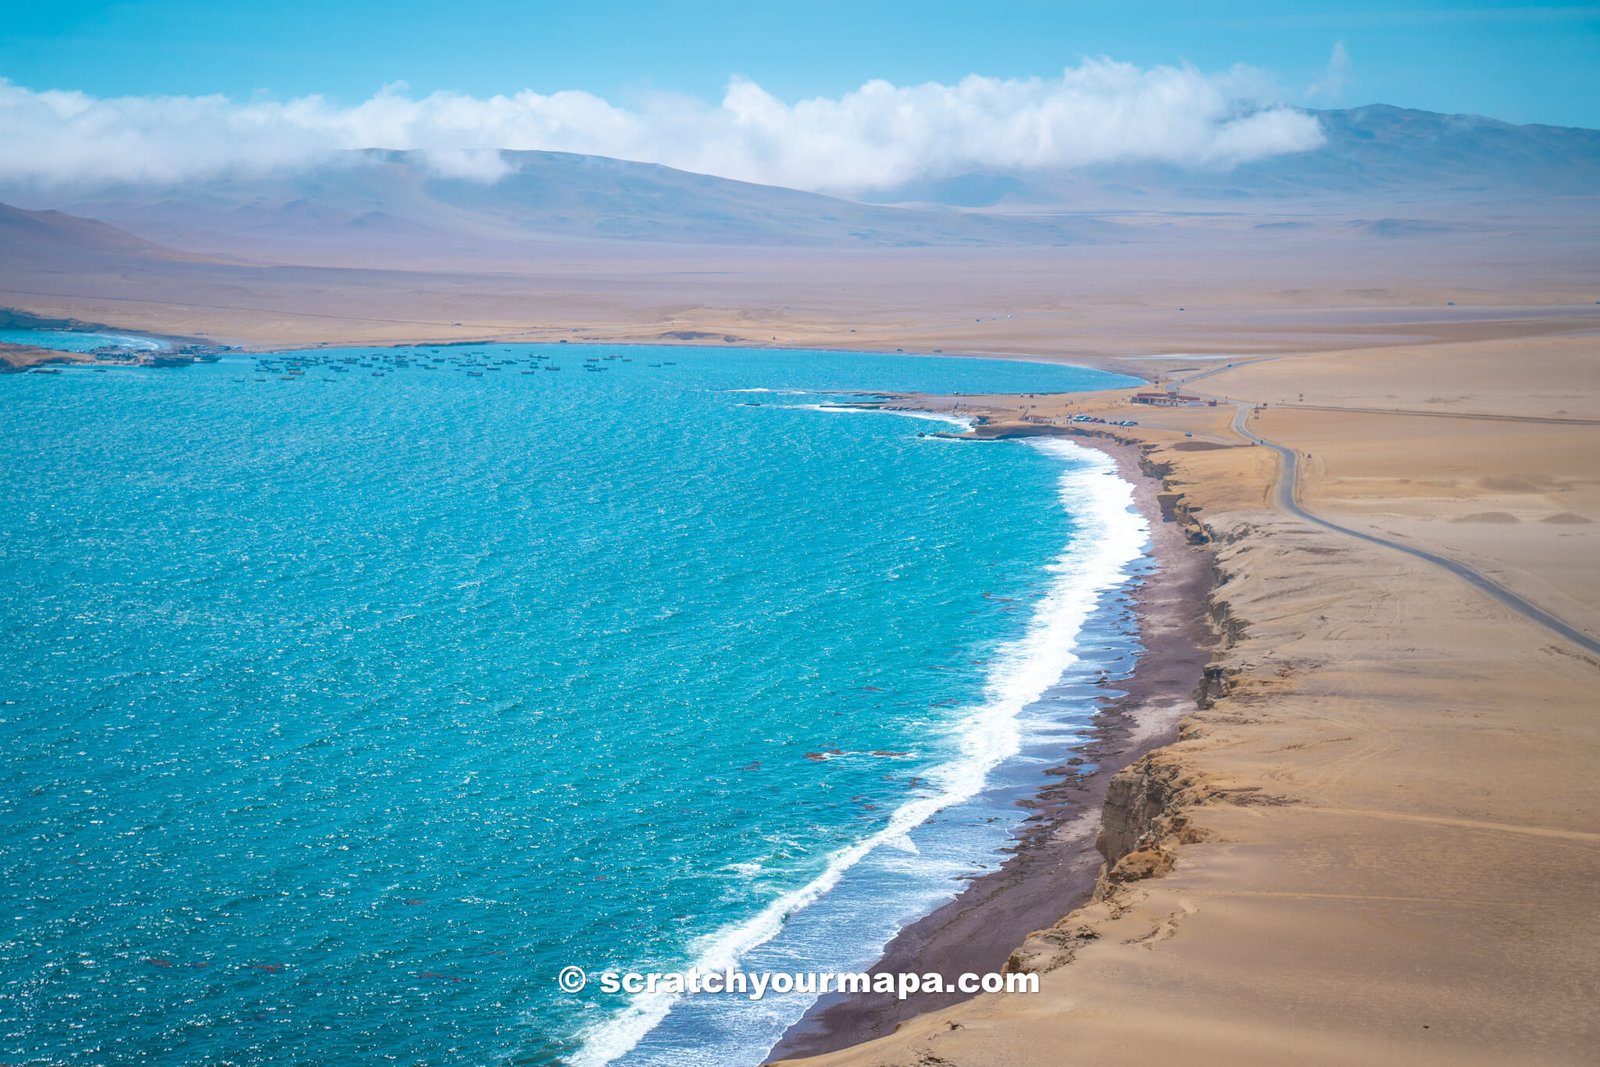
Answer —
1286 498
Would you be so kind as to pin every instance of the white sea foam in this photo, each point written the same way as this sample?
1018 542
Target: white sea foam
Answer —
930 416
1110 536
142 344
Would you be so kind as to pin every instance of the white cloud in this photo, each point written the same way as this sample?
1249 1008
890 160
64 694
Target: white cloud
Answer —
1329 85
878 135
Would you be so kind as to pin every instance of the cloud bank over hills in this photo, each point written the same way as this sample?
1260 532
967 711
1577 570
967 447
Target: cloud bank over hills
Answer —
879 135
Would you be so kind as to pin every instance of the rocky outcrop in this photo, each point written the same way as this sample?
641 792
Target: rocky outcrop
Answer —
17 358
1144 818
17 319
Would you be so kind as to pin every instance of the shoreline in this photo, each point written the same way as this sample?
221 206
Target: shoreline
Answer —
1101 644
1054 864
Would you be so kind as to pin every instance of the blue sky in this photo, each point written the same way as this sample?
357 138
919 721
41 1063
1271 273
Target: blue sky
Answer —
1523 63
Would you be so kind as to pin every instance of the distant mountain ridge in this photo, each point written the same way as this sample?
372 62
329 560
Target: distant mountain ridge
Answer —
1392 171
1399 154
391 200
40 235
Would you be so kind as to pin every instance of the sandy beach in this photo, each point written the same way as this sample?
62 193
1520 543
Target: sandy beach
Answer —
1376 841
1055 860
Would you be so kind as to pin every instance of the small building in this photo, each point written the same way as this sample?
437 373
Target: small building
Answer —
1170 400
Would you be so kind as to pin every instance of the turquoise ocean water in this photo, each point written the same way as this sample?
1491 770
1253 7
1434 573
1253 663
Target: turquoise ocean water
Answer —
341 709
